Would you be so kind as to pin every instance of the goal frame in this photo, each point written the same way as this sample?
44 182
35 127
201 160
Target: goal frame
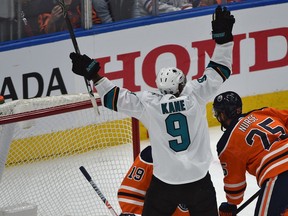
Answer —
60 109
41 109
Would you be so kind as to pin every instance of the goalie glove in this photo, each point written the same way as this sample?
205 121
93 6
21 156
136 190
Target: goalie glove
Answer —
227 209
222 25
82 65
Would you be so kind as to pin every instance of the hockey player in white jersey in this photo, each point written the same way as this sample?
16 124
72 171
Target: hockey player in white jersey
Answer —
177 125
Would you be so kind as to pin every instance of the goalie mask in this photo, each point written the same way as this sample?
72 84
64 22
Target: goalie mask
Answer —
170 81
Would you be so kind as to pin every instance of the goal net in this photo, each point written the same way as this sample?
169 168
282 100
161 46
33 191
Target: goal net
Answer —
44 141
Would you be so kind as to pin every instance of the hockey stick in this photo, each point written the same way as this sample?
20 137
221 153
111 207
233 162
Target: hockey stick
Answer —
248 202
100 194
77 50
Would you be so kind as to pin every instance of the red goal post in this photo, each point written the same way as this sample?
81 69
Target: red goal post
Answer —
44 141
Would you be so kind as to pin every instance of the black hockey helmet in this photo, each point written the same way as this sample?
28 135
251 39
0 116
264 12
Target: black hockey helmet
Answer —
229 103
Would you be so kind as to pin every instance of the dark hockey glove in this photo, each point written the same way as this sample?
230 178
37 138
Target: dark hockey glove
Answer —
84 66
222 25
227 209
122 214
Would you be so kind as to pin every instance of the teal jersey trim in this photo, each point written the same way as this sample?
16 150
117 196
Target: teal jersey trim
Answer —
111 98
222 70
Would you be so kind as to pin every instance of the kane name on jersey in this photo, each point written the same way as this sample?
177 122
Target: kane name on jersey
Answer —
171 107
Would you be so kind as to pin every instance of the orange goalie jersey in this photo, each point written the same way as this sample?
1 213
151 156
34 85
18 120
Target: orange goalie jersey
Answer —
133 188
256 142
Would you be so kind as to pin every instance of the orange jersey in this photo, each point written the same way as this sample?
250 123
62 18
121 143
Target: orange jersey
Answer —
131 193
256 142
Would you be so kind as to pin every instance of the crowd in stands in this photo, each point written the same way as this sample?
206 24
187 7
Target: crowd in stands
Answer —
46 16
38 17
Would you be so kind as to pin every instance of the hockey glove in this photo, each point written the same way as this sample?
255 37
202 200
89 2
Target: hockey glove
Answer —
84 66
222 25
227 209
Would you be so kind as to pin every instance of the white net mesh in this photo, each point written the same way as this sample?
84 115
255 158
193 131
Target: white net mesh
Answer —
42 166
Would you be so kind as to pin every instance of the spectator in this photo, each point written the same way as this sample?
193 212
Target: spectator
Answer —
103 9
144 7
176 122
256 142
54 21
227 1
122 9
131 193
201 3
29 16
204 3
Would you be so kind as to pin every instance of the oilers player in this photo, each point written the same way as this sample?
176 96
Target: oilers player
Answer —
176 121
256 142
131 193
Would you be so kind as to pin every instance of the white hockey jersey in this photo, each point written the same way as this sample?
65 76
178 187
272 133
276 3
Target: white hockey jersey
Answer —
177 127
